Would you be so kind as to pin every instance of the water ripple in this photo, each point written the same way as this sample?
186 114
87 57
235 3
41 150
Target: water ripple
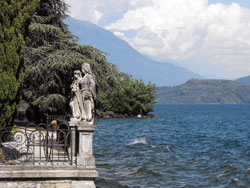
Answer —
186 146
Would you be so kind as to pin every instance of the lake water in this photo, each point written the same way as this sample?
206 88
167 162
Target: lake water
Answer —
185 146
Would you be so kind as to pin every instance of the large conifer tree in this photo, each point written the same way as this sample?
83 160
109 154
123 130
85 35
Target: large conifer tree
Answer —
52 54
14 18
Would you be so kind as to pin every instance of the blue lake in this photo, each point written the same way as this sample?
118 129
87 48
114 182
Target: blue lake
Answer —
185 146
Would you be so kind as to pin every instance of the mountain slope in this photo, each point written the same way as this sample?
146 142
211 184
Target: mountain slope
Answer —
245 79
197 91
127 58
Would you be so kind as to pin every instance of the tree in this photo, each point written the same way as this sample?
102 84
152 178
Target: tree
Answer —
133 97
52 54
14 19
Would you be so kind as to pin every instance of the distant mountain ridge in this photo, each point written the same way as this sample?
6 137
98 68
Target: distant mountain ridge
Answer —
245 79
197 91
127 58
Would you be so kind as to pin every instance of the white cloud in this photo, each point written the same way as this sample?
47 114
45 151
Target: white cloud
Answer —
184 30
140 3
120 35
95 10
85 10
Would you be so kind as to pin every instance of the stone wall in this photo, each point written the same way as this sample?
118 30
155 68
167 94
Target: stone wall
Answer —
21 176
47 184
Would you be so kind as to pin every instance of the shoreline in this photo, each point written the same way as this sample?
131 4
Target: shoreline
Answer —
122 116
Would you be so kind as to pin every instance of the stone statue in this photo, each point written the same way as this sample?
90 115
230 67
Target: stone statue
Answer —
76 103
88 92
84 92
83 88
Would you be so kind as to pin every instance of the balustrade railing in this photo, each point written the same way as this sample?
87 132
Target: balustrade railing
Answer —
36 144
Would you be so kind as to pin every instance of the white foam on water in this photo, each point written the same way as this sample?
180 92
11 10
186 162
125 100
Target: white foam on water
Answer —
167 148
138 141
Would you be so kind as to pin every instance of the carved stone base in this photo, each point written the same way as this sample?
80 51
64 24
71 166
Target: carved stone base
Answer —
85 155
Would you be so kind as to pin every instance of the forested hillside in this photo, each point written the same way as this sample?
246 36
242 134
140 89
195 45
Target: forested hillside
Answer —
197 91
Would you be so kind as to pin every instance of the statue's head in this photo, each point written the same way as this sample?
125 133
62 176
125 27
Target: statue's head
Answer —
86 68
77 73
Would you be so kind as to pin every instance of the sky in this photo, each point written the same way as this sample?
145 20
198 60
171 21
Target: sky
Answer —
209 37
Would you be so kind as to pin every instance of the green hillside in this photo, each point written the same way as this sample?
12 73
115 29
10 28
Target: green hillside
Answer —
197 91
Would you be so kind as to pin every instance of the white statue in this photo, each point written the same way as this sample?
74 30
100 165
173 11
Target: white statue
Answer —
84 93
88 92
76 100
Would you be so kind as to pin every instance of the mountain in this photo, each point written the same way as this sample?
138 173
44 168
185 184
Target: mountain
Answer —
127 58
245 79
197 91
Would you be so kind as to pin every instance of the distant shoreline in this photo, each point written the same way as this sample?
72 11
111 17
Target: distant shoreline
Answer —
122 116
205 103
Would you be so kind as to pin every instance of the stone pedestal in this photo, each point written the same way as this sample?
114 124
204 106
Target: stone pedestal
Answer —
85 155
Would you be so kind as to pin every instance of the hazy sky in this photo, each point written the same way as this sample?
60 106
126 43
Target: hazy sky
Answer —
208 37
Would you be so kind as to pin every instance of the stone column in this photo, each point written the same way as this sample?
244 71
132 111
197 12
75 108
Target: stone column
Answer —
73 125
85 155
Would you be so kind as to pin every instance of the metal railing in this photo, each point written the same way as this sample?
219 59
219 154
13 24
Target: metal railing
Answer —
48 118
36 144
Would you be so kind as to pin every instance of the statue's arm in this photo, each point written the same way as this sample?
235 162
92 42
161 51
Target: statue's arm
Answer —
92 86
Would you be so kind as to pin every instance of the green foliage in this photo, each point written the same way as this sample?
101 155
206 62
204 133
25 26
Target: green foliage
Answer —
197 91
133 97
52 55
14 18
